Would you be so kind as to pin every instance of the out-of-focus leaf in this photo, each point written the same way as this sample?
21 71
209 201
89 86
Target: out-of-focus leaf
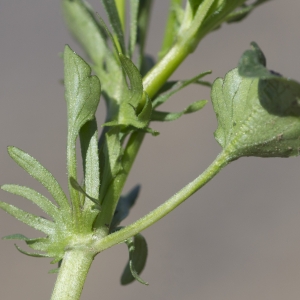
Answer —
54 271
113 15
16 236
37 171
253 64
138 253
142 33
175 17
134 10
243 11
173 87
84 27
124 205
166 116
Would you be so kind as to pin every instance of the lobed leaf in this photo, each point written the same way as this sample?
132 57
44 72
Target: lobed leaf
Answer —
82 91
257 117
37 171
138 252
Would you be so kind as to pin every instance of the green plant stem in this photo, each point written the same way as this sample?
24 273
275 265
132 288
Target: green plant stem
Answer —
120 236
161 72
72 275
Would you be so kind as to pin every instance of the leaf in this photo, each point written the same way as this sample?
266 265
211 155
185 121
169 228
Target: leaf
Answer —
173 87
110 160
112 12
35 222
30 253
136 109
138 253
90 157
242 12
124 205
172 26
84 27
45 204
82 91
165 116
54 271
78 188
142 33
16 236
134 10
37 171
257 117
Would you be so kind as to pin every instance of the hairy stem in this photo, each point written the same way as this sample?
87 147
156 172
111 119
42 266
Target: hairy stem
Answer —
72 275
220 162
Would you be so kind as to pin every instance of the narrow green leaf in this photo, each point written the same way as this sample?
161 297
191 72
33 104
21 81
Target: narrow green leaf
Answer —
138 253
135 78
166 116
124 205
90 158
175 86
121 8
30 253
54 271
83 25
37 171
33 221
242 12
113 15
111 165
142 33
78 188
134 10
45 204
16 236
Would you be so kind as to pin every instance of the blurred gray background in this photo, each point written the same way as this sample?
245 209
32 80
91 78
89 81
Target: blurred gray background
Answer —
237 238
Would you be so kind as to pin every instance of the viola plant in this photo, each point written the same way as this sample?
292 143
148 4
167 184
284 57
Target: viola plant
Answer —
257 111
